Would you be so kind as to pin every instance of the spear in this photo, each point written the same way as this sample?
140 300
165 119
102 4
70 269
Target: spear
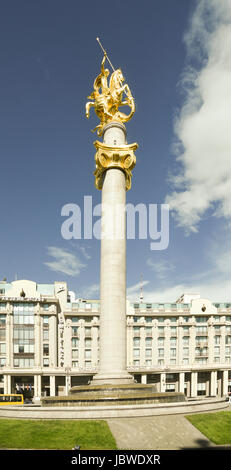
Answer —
104 51
97 39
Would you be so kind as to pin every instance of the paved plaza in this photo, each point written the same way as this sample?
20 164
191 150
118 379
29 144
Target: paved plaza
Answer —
173 432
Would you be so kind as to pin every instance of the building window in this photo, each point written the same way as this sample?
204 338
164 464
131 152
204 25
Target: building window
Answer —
173 342
186 352
201 319
148 319
148 342
185 329
46 350
88 364
74 330
45 334
136 342
136 352
2 319
217 339
136 319
87 331
217 329
23 334
170 387
160 341
148 330
74 319
87 353
136 329
2 348
160 352
148 353
173 330
75 353
201 360
173 352
2 334
185 361
136 362
75 364
87 342
74 342
148 362
45 319
46 362
23 362
186 319
216 359
185 340
160 330
160 362
201 329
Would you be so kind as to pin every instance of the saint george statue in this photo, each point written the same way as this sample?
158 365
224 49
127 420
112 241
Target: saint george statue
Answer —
108 101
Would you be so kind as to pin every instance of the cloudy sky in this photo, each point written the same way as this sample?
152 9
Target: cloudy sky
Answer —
175 56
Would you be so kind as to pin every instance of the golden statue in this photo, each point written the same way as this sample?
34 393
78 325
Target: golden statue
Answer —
108 101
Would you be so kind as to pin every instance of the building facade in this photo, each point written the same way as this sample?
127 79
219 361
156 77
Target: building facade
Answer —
49 341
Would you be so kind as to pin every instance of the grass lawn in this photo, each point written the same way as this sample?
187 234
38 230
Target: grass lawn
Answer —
55 434
215 426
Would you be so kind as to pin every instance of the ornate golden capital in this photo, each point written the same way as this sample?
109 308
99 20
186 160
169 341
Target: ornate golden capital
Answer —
114 157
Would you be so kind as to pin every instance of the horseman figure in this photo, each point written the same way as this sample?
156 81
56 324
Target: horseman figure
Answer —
107 102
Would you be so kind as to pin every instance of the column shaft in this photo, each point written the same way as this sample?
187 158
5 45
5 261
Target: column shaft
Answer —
113 272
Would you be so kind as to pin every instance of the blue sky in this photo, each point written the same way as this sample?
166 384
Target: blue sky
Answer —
175 56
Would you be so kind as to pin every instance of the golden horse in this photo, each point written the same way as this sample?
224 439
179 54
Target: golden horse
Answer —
107 102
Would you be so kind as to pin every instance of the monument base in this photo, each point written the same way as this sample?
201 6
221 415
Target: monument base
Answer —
116 395
112 379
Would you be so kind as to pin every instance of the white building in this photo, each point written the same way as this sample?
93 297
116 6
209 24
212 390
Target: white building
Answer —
49 341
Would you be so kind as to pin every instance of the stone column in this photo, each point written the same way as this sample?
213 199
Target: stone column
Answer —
213 383
144 378
114 159
194 384
5 379
9 383
52 385
181 382
225 383
39 385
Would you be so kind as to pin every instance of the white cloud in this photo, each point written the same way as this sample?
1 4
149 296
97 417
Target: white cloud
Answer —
64 261
218 291
203 137
161 268
91 292
84 252
136 287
